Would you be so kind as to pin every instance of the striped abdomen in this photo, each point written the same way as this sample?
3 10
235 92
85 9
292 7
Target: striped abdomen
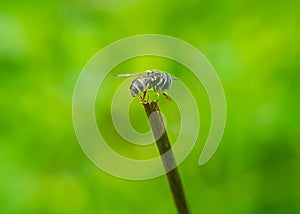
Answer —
159 81
137 86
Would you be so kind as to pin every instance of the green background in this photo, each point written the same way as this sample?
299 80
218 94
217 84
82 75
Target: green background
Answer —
255 49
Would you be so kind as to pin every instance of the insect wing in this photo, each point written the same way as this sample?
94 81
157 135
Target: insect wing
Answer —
130 75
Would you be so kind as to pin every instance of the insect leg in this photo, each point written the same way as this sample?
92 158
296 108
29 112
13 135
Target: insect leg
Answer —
145 92
167 96
143 101
157 93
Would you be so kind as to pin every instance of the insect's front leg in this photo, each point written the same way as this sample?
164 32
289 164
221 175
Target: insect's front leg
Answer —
163 93
167 96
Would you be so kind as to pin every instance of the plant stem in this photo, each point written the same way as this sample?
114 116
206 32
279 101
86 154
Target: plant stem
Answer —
163 144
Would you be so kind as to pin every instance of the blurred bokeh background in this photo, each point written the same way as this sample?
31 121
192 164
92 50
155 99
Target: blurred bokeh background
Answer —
255 49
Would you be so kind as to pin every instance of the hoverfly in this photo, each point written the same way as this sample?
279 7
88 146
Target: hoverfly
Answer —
159 81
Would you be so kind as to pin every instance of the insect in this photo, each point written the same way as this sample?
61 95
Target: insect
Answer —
159 81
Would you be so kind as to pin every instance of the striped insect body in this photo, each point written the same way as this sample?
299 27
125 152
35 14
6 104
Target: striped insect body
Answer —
159 81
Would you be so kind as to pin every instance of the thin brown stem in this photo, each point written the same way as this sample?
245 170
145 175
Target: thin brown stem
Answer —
165 150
